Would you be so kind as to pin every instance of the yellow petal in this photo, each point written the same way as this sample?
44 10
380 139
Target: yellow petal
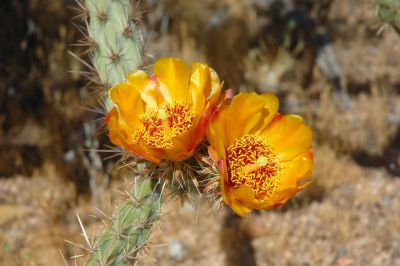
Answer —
127 99
216 88
173 77
119 134
295 171
242 199
200 86
116 133
249 113
181 147
216 132
215 85
138 79
272 104
288 136
244 194
150 96
144 152
240 209
213 154
171 86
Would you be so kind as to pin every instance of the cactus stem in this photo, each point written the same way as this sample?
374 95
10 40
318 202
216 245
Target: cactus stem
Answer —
128 230
114 45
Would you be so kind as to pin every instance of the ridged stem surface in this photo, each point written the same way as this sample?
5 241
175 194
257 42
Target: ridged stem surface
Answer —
116 41
129 228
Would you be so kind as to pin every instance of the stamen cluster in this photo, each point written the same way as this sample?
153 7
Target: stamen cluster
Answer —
251 162
158 127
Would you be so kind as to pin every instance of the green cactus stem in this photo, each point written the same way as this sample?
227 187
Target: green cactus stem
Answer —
129 228
116 41
116 50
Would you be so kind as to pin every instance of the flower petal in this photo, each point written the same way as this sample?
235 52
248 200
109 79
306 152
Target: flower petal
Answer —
288 136
119 134
249 113
127 99
216 132
172 106
244 193
294 174
173 77
240 209
142 151
200 86
272 104
216 87
242 198
296 170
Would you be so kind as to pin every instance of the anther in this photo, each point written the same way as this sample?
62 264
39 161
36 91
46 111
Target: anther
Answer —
262 161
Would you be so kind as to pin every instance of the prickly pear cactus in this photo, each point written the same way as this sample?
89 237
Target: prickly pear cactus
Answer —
389 12
115 51
129 227
116 40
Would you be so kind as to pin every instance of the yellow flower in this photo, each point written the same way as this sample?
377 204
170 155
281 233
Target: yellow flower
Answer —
263 157
163 116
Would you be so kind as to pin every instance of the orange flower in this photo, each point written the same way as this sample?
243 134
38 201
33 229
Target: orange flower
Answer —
263 157
163 116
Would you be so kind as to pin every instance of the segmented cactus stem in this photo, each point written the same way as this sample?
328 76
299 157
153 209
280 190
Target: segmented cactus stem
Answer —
116 41
116 50
129 227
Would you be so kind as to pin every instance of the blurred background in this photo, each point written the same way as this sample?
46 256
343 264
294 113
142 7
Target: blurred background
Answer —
333 62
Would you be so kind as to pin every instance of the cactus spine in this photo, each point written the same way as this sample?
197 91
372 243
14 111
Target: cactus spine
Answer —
389 12
116 41
129 227
116 50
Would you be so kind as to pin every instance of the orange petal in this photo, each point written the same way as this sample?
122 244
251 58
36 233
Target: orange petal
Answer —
244 194
295 171
151 96
288 136
200 86
115 132
182 147
215 84
249 113
239 209
127 98
144 152
173 77
119 134
138 79
242 199
272 104
213 154
216 132
216 88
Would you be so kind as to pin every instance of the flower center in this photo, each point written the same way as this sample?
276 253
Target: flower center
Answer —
252 162
158 127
